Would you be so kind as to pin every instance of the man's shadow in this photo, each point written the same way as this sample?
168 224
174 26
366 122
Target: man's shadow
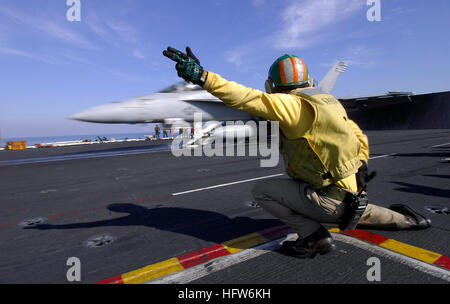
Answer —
206 225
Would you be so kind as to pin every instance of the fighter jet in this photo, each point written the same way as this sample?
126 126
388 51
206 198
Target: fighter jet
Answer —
177 104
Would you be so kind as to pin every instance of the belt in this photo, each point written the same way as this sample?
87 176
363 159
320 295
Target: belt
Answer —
332 191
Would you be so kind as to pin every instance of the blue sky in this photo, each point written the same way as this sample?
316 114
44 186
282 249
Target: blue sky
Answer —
51 68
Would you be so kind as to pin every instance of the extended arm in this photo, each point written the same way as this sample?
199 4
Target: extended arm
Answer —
287 109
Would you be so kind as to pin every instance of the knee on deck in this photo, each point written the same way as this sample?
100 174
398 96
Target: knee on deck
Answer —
258 189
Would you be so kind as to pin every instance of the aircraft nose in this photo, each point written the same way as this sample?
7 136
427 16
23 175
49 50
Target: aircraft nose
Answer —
100 114
112 113
77 116
87 115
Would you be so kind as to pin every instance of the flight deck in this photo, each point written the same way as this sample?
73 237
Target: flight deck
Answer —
134 213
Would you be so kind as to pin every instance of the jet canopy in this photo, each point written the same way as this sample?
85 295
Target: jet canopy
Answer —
181 86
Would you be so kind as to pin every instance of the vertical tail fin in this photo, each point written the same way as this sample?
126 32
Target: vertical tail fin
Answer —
328 82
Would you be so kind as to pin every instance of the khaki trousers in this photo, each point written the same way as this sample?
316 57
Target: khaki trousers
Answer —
300 207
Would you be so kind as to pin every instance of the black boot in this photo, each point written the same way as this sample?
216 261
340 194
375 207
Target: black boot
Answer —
414 220
319 242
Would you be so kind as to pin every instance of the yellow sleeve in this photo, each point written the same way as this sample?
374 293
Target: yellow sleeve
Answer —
284 108
363 139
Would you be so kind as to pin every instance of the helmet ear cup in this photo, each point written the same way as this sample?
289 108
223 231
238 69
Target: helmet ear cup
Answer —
269 85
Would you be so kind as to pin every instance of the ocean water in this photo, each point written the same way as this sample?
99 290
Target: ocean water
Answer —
51 139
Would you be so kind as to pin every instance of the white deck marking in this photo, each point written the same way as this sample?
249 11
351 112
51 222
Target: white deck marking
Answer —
227 184
437 146
75 156
251 180
383 156
427 268
199 271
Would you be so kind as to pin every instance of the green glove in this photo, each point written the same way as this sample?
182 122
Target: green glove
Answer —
188 66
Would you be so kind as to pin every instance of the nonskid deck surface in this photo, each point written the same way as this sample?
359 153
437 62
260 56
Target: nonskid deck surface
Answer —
126 211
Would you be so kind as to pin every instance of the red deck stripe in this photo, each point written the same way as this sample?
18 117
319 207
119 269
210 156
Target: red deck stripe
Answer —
93 209
201 256
443 261
10 224
113 280
366 236
75 212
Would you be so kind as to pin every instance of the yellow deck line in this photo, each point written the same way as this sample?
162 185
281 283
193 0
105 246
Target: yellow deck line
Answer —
254 239
152 271
245 242
411 251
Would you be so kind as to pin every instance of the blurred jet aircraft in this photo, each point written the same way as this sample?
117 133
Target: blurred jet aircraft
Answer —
178 103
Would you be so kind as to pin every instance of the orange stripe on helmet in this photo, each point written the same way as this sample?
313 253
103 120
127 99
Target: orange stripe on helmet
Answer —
294 69
282 74
304 70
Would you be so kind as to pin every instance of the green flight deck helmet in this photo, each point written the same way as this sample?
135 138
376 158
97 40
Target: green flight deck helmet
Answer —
287 73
